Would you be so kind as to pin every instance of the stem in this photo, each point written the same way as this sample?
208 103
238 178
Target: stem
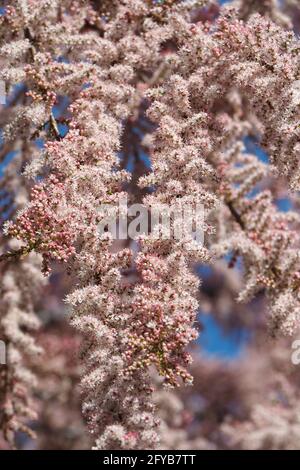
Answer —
54 126
236 215
25 250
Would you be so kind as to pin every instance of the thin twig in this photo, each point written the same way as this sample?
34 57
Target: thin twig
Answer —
25 250
235 214
55 126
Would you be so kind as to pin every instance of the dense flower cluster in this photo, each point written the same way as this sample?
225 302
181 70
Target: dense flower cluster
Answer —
46 227
206 85
163 310
266 240
21 287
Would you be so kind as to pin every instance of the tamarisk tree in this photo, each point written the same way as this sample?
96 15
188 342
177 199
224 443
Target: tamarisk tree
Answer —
93 87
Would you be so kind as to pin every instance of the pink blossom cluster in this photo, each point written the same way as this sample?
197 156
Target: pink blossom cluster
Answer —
205 85
163 315
45 226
